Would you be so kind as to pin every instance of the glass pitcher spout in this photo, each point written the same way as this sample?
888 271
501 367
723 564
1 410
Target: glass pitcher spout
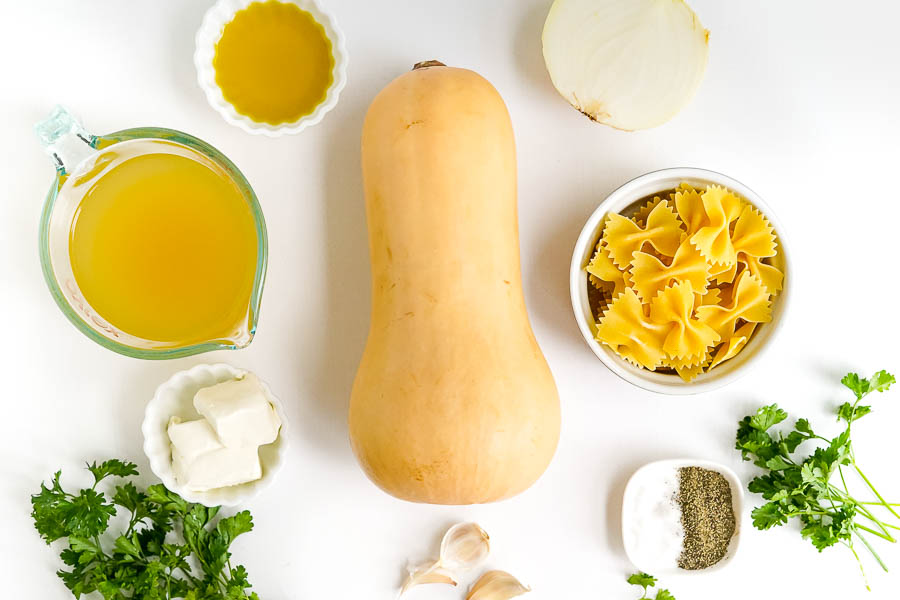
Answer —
66 141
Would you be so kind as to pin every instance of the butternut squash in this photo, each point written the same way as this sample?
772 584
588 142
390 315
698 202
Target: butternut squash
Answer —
453 402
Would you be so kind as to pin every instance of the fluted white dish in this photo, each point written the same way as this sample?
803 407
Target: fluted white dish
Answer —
220 14
175 397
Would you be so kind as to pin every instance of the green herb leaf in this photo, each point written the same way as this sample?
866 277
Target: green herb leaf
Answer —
127 496
767 485
79 544
49 508
221 537
881 381
791 442
803 427
840 448
168 501
755 443
87 514
141 564
130 547
856 384
767 416
768 515
777 463
644 580
113 467
813 477
802 488
849 412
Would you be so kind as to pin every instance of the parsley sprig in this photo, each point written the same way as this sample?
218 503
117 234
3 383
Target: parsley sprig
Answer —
814 489
646 581
143 561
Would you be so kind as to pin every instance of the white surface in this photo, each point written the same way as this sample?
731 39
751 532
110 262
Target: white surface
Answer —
208 35
799 102
649 499
623 200
175 397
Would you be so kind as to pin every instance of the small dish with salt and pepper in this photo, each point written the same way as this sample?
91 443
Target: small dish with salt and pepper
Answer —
682 516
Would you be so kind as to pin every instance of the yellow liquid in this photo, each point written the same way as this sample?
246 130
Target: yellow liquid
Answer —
163 245
273 62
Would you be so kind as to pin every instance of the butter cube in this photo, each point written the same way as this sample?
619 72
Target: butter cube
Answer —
239 412
200 461
217 469
192 438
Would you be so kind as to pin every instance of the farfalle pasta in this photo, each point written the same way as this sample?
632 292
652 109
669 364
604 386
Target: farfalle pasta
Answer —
749 301
682 285
604 269
686 336
630 333
713 239
622 237
651 275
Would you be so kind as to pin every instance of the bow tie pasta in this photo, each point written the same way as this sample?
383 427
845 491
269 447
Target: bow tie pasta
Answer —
682 285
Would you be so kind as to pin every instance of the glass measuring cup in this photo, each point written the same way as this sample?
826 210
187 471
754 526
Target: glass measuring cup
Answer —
77 155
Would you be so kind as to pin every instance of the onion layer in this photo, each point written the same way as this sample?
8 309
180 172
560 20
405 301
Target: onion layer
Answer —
630 64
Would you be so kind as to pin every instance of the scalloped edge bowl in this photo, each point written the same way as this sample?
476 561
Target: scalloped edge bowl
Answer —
621 199
214 21
175 398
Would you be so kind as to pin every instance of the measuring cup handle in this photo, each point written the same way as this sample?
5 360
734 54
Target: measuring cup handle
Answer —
65 140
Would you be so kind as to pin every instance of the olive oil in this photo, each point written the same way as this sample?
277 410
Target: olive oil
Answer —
274 62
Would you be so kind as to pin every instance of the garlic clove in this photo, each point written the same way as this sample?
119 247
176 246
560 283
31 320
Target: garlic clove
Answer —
464 547
426 572
497 585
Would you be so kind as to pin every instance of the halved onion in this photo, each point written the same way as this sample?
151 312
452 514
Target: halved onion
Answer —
630 64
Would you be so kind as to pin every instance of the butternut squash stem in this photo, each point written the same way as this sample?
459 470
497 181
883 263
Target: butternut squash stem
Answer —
428 63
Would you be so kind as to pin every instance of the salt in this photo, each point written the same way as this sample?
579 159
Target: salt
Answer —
653 532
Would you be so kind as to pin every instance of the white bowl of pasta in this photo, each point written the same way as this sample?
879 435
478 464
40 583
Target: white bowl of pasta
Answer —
680 280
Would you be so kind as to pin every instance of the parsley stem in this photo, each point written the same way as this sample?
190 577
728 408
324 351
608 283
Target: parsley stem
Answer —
869 546
131 524
862 570
874 532
188 574
879 503
100 554
844 481
866 514
874 491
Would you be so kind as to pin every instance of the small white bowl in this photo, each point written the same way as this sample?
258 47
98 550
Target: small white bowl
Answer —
624 200
175 397
219 15
657 470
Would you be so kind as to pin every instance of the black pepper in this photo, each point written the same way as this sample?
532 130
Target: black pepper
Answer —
707 517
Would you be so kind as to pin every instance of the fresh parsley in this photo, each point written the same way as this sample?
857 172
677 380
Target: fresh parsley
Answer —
145 560
647 581
803 488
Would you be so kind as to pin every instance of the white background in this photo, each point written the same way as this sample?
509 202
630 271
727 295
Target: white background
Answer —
799 102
